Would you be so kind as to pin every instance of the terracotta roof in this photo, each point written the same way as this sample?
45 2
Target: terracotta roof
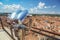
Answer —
45 22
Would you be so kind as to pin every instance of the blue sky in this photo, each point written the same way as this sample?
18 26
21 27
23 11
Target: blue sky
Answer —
33 6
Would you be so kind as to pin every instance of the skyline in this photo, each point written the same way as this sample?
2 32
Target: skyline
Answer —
33 6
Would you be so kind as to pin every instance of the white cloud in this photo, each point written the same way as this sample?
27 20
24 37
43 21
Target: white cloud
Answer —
1 3
14 7
54 6
10 8
40 6
34 10
47 6
54 12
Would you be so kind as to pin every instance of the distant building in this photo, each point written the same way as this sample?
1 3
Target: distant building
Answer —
4 14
